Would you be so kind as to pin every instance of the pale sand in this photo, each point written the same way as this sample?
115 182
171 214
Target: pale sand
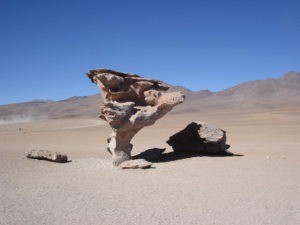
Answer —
261 187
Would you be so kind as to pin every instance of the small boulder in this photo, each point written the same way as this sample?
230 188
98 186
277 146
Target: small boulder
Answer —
47 155
135 164
200 138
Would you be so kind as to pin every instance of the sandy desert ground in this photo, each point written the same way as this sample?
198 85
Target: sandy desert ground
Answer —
260 187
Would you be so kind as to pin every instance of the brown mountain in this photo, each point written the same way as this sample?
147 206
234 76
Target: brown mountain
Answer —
269 93
273 92
86 106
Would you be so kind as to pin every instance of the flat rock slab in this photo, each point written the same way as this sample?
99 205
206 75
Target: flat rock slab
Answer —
47 155
135 164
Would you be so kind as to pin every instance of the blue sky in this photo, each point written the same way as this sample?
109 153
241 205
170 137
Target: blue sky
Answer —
46 47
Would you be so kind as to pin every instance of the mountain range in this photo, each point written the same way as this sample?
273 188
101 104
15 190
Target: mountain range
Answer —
268 94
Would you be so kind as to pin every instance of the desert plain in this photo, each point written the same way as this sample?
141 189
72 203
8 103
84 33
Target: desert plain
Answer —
258 186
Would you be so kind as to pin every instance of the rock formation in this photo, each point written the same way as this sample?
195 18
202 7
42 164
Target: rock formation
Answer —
130 102
200 138
47 155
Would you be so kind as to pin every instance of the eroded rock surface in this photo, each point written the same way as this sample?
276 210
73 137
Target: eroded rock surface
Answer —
200 138
130 102
47 155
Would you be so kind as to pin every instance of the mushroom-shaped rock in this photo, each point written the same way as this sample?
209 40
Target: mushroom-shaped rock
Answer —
130 102
200 138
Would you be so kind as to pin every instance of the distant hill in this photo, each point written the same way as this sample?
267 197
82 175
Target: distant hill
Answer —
86 106
190 94
270 89
273 92
269 93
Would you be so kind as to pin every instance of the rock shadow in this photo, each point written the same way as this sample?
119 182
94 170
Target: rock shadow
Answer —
157 155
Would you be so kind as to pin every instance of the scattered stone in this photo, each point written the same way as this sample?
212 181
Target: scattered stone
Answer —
130 102
47 155
135 164
200 138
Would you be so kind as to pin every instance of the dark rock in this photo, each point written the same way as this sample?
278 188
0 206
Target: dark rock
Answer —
200 138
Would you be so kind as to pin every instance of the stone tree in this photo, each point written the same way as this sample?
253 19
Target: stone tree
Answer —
130 102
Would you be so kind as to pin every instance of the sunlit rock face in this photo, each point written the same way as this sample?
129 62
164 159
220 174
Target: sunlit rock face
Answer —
130 102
